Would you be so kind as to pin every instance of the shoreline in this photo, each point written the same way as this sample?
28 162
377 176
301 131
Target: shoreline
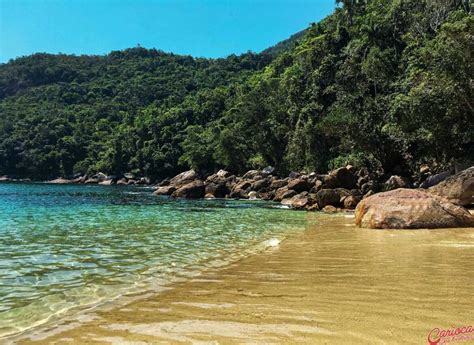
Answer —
332 283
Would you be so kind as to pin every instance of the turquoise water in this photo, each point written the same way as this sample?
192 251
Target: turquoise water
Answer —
65 247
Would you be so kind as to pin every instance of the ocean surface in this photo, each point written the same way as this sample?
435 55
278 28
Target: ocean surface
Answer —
64 248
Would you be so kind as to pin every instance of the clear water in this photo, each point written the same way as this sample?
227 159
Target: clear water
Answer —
63 247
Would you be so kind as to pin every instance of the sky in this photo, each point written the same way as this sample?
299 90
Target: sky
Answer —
201 28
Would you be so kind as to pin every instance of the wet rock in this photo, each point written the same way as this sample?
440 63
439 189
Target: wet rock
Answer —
241 190
60 181
329 209
192 190
164 190
107 182
327 197
218 189
284 193
410 209
458 188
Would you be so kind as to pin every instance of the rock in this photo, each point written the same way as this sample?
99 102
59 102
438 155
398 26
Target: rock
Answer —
313 207
164 182
164 190
351 202
209 196
79 179
284 193
410 209
253 195
435 179
267 195
344 178
129 176
191 190
107 182
184 178
328 181
371 186
4 178
329 209
223 173
327 197
298 202
218 189
424 169
276 184
60 181
100 177
260 184
241 190
145 180
122 182
251 174
395 182
268 171
299 185
458 188
294 174
91 181
131 182
318 185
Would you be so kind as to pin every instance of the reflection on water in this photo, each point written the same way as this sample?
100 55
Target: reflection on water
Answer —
332 284
67 246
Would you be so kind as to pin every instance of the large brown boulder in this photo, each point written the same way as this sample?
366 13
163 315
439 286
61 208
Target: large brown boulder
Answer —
299 185
278 184
218 188
184 178
192 190
458 188
241 190
326 197
342 177
410 209
164 190
299 202
284 193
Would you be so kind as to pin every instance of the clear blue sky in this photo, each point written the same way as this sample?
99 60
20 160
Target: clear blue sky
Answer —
210 28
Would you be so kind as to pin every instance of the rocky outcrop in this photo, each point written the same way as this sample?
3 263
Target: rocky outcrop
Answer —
60 180
191 190
184 178
458 188
410 209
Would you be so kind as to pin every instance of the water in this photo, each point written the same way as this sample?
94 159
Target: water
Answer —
65 247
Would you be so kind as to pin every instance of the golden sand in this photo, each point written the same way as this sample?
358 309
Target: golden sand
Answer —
331 284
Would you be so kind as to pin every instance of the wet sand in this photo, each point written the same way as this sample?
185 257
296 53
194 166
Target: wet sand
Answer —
331 284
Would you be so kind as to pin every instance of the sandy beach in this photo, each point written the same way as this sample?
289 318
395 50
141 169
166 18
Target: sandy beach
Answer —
331 284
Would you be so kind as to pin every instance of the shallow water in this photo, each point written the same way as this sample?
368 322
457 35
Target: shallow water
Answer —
330 284
66 247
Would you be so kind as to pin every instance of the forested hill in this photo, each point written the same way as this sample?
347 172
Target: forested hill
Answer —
383 84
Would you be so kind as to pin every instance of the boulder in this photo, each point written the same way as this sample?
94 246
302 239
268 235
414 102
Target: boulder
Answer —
260 184
4 178
122 182
344 177
223 173
327 197
131 182
60 181
294 174
100 177
191 190
91 181
299 202
395 182
164 190
241 190
284 193
79 179
329 209
251 174
253 195
299 185
184 178
278 184
218 189
129 176
435 179
458 188
410 209
107 182
209 196
351 202
267 171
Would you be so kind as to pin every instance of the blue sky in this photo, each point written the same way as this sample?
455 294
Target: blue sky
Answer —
210 28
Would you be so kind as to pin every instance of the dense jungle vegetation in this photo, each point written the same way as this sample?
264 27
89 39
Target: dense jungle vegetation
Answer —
379 83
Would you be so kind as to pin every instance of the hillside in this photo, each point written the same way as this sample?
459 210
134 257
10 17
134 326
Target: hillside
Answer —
383 84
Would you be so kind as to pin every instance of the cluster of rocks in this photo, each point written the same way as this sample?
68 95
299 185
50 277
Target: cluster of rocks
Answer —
342 188
105 180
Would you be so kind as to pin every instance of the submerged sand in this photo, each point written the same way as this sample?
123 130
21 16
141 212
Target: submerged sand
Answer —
331 284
